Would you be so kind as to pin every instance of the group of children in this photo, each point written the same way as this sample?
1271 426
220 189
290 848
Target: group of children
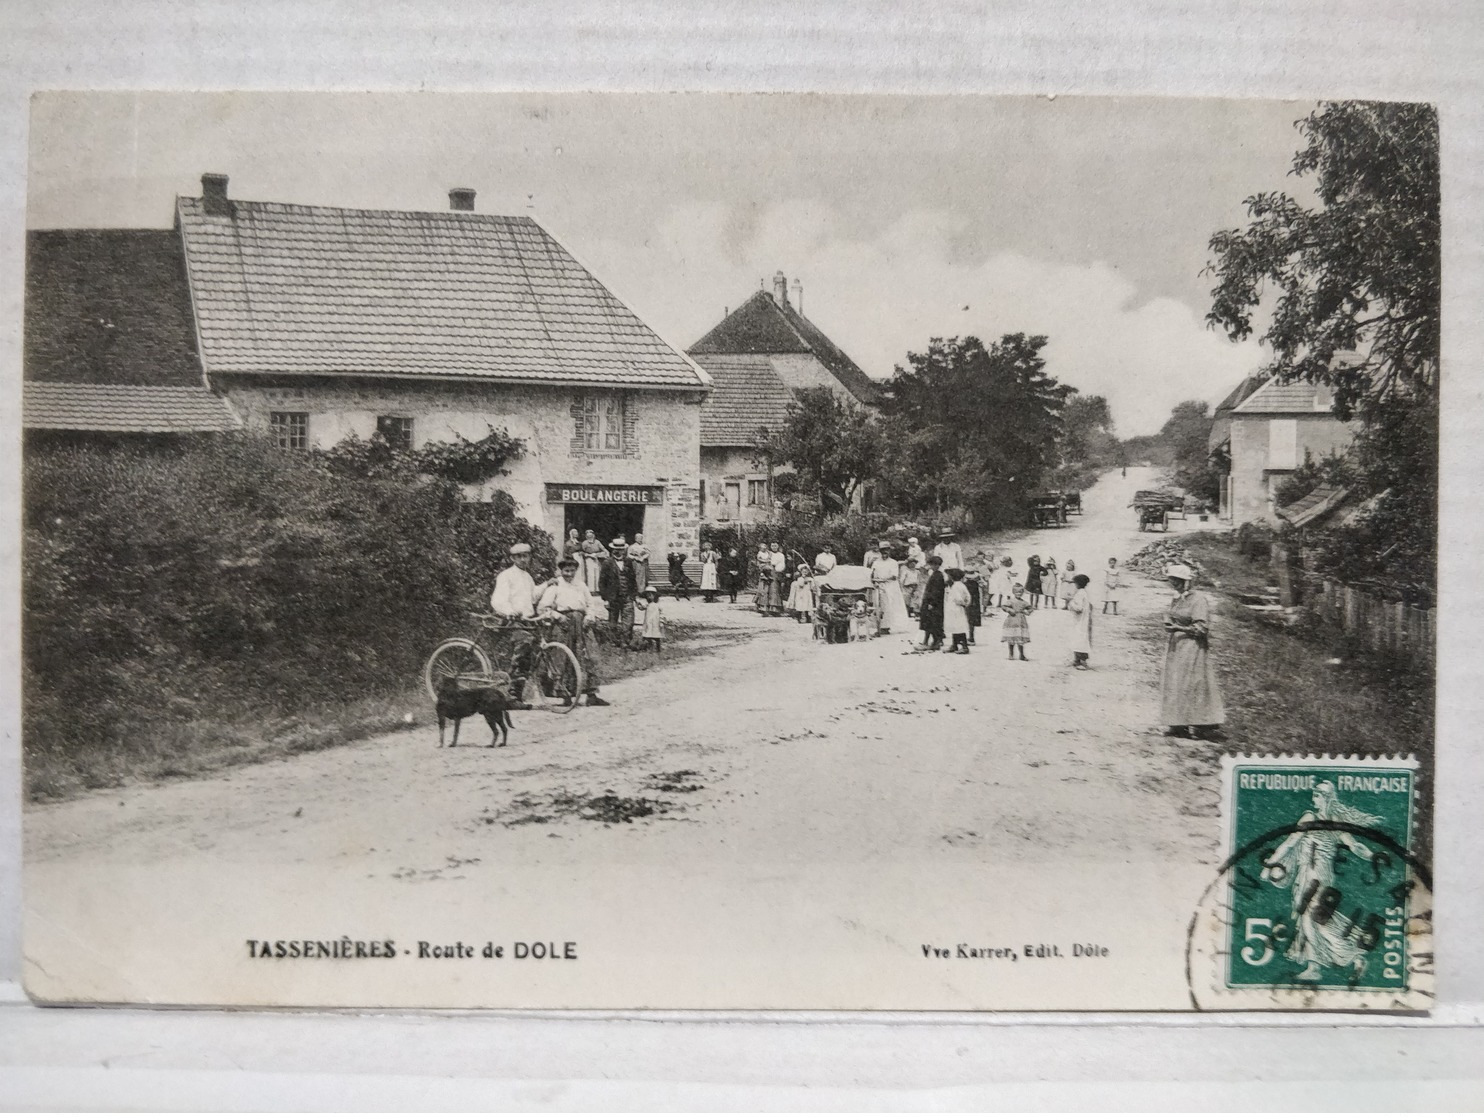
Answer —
970 596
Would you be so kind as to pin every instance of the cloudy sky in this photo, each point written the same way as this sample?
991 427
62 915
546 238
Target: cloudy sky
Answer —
904 218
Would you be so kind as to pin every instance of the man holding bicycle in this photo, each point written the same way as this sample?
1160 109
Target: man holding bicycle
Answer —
569 596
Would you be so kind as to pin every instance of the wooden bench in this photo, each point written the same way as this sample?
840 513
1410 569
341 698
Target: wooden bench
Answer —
659 576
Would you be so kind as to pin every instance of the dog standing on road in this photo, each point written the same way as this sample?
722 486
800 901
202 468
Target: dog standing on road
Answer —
462 698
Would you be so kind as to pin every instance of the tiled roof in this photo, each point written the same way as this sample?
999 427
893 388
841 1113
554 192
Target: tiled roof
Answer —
108 306
1322 501
1298 398
761 325
124 408
746 394
283 289
1248 385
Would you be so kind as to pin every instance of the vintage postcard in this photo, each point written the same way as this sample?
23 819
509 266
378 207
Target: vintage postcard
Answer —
730 551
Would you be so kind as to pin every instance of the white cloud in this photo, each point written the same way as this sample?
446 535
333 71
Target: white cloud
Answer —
881 294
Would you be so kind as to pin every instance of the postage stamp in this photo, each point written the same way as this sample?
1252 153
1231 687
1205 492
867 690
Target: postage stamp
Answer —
1321 900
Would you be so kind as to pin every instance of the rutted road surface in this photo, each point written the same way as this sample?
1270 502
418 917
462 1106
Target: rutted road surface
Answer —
771 751
789 746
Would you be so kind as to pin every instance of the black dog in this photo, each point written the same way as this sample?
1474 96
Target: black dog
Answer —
463 698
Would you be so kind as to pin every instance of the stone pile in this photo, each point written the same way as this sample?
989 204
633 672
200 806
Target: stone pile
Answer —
1154 558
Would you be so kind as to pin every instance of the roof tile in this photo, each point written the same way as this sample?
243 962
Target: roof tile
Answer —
282 289
124 408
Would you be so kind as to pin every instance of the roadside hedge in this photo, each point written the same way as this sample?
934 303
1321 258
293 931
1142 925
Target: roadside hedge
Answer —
225 578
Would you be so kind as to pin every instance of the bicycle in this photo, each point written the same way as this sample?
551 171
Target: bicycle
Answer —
547 674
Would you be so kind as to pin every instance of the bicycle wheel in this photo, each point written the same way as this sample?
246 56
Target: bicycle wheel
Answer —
559 677
453 658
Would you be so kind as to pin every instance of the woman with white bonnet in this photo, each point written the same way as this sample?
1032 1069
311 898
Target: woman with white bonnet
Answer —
1190 697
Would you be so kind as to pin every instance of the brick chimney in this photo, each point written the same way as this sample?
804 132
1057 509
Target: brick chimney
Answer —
780 289
461 198
214 195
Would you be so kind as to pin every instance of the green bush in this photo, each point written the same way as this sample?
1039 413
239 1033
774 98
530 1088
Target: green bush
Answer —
225 578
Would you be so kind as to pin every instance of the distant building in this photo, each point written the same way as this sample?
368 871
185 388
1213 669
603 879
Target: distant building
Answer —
758 357
317 323
110 347
1271 431
1219 441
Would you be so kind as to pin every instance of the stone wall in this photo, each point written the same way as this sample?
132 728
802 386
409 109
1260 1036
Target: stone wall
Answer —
661 443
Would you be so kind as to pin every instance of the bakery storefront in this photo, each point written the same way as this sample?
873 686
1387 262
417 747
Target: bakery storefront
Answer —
608 510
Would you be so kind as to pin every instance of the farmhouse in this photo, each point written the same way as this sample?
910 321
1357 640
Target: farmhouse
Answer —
315 324
1269 432
758 356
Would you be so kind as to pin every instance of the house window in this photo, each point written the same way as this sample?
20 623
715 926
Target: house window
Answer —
757 494
397 430
290 429
733 501
1283 444
602 424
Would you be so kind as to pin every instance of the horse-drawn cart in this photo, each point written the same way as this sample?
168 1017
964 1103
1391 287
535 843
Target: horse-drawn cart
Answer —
1048 510
1154 508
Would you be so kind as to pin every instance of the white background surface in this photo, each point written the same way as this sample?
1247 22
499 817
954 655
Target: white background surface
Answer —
90 1058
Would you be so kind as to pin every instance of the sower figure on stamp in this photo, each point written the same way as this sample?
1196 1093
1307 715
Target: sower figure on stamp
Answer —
1305 864
568 596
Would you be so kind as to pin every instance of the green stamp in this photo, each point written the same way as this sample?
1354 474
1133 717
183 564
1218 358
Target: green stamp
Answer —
1319 875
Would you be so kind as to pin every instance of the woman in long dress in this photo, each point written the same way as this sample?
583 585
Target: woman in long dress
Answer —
593 554
1305 865
640 554
1080 606
709 584
886 577
1190 697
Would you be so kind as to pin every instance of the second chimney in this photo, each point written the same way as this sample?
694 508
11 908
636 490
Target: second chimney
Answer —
780 289
461 198
214 195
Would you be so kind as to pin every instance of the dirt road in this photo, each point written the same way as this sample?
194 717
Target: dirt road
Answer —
772 752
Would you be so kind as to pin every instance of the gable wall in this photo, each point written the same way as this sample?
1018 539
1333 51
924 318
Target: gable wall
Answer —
1252 481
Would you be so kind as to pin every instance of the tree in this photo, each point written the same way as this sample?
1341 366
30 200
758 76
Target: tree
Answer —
1186 433
832 444
977 426
1356 282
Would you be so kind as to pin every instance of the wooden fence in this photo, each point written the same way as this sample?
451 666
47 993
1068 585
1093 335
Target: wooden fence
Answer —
1389 627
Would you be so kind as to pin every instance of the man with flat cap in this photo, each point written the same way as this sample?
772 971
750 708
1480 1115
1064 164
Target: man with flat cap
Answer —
515 590
569 596
618 587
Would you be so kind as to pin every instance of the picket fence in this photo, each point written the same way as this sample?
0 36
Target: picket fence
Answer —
1389 627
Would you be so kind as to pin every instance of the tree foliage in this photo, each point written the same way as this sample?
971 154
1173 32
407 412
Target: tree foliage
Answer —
1355 303
462 462
1186 433
832 444
973 425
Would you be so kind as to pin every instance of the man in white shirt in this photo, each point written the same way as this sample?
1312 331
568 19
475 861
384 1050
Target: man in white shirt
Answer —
515 589
570 597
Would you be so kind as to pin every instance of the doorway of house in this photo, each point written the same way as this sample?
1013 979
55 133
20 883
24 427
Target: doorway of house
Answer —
607 521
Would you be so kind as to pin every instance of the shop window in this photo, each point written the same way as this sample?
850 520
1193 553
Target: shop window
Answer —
396 430
601 424
757 494
290 429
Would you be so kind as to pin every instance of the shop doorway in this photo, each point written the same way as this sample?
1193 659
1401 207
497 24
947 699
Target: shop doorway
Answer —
607 521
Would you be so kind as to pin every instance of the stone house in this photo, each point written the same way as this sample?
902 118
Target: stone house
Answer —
316 324
758 356
1271 432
